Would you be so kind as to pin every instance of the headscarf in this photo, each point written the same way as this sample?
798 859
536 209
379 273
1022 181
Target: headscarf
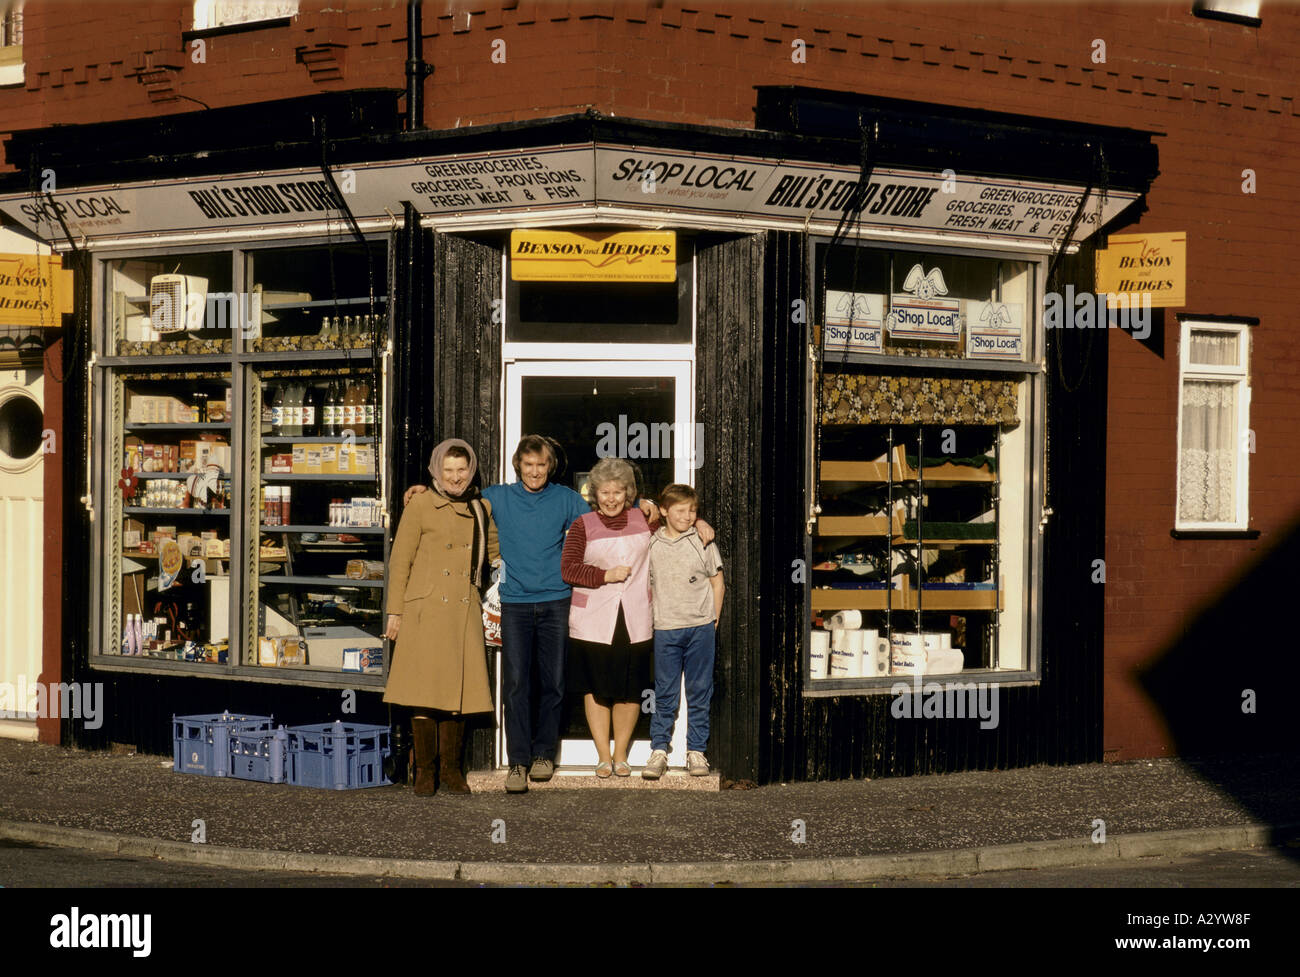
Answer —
478 553
435 468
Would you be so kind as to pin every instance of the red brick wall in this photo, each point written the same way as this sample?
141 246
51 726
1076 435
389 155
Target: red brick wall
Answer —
1222 95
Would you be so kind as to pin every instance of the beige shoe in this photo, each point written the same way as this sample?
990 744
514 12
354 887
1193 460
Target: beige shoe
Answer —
517 779
656 766
697 764
542 769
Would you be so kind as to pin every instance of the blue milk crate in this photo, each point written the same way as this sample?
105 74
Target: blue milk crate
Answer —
201 744
337 756
259 755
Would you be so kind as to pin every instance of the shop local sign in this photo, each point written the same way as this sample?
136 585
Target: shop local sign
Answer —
996 332
922 314
854 322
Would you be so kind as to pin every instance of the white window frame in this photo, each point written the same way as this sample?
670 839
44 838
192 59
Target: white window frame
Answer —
209 15
1240 373
11 54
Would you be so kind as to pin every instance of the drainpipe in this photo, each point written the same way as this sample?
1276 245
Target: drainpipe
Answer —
416 69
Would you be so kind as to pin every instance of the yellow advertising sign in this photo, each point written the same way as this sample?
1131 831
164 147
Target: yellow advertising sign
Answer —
620 256
1152 263
34 290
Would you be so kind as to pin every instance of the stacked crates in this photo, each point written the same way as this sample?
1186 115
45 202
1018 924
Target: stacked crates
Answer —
201 744
332 756
335 756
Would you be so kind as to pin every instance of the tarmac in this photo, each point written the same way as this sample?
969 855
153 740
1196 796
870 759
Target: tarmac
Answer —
914 827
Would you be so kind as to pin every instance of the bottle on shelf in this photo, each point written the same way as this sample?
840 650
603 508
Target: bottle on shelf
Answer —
349 407
310 413
367 409
327 411
293 411
336 393
277 411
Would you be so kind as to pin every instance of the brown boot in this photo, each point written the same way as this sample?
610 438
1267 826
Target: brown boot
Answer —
451 736
424 735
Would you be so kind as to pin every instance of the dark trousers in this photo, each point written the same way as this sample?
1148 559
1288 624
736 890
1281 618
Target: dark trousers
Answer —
533 636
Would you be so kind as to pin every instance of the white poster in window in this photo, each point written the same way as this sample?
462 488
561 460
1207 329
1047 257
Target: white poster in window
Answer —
921 313
854 322
996 332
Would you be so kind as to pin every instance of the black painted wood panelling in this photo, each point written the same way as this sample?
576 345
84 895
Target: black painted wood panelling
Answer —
729 370
462 381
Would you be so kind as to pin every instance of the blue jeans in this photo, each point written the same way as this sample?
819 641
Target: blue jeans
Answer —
533 634
686 651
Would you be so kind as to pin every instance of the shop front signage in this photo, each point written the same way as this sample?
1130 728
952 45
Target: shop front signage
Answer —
921 313
621 256
593 176
1151 264
854 322
996 331
35 290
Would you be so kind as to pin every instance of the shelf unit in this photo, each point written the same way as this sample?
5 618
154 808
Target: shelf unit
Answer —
298 283
905 488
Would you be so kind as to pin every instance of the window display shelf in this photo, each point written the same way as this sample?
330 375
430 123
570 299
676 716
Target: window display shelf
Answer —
288 477
187 426
330 581
315 439
858 526
342 530
905 599
136 510
174 475
323 303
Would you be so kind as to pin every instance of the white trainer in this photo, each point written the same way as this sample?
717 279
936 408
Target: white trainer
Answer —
656 766
697 764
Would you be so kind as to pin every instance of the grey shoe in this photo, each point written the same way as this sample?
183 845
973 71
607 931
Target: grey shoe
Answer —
656 766
542 769
517 779
697 764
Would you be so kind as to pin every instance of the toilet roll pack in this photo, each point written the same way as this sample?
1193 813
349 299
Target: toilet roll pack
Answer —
848 650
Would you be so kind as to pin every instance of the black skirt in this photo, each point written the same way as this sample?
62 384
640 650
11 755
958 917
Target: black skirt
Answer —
617 672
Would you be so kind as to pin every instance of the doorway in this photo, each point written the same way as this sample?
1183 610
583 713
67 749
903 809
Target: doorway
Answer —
640 410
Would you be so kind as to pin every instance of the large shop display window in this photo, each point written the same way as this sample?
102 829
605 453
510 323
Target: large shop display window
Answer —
924 467
238 446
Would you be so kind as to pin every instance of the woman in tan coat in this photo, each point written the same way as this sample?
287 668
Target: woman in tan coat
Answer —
445 541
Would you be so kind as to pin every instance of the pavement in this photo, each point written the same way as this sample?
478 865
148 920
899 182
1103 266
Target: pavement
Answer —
914 827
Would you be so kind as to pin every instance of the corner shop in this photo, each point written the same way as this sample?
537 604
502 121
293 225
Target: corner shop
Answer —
724 349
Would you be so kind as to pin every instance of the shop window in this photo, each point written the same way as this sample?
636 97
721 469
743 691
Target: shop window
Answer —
11 43
1214 437
243 433
920 555
210 14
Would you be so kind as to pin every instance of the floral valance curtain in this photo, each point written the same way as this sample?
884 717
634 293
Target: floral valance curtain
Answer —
873 399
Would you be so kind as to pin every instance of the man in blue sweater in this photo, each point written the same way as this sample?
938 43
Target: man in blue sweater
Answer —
532 516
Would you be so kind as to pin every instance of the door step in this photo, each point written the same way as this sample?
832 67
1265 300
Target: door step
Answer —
584 778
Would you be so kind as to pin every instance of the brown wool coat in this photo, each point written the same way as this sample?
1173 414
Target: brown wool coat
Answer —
439 662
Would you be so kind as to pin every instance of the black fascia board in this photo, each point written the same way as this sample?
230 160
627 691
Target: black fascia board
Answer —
198 142
363 126
201 144
934 137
